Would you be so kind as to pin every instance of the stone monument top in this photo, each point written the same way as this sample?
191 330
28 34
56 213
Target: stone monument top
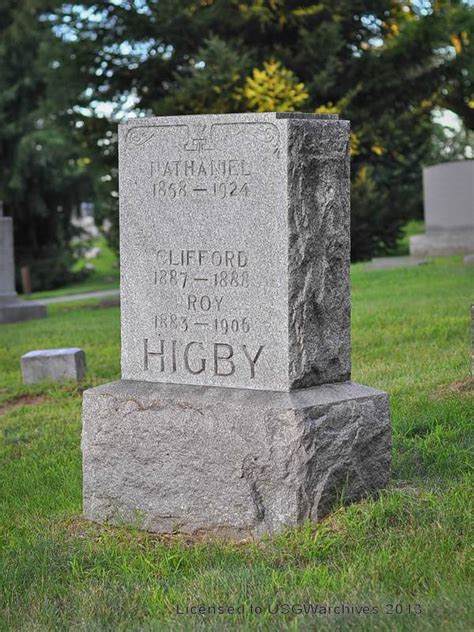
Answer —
235 249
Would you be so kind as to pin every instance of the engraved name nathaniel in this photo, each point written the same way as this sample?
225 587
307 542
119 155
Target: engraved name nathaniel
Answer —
230 178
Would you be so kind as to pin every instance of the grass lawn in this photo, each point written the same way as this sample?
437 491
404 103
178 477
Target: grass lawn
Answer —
411 337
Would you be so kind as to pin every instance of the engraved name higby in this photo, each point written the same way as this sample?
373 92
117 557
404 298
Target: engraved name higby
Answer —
218 358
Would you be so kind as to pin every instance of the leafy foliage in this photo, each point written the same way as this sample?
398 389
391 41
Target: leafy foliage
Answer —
274 88
384 64
43 176
387 65
212 84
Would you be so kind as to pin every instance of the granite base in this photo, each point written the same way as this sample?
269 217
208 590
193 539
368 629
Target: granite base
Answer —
442 243
231 462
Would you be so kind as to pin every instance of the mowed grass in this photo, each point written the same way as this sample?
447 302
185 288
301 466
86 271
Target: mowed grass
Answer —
406 555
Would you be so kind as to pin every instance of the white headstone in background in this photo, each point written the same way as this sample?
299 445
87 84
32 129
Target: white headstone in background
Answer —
448 192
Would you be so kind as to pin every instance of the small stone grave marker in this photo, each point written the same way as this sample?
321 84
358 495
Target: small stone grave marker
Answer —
53 364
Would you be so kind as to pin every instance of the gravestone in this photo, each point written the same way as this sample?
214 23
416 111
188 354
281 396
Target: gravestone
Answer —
235 413
391 263
11 308
53 364
448 192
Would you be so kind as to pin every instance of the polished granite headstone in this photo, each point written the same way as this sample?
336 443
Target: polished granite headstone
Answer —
235 413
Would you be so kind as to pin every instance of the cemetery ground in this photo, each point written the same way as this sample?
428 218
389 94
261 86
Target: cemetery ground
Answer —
401 553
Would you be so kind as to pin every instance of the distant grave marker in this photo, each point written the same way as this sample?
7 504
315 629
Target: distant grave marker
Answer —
12 309
448 192
53 364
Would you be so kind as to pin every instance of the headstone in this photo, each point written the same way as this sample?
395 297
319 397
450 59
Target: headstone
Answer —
83 219
235 413
448 191
11 308
228 277
391 263
53 364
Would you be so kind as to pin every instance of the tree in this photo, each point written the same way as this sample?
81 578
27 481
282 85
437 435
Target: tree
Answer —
43 176
274 88
384 64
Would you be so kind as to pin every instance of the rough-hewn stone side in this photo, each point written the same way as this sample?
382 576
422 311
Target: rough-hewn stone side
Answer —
319 252
228 461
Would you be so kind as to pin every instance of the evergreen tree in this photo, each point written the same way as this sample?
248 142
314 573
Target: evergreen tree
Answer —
42 176
273 88
384 64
